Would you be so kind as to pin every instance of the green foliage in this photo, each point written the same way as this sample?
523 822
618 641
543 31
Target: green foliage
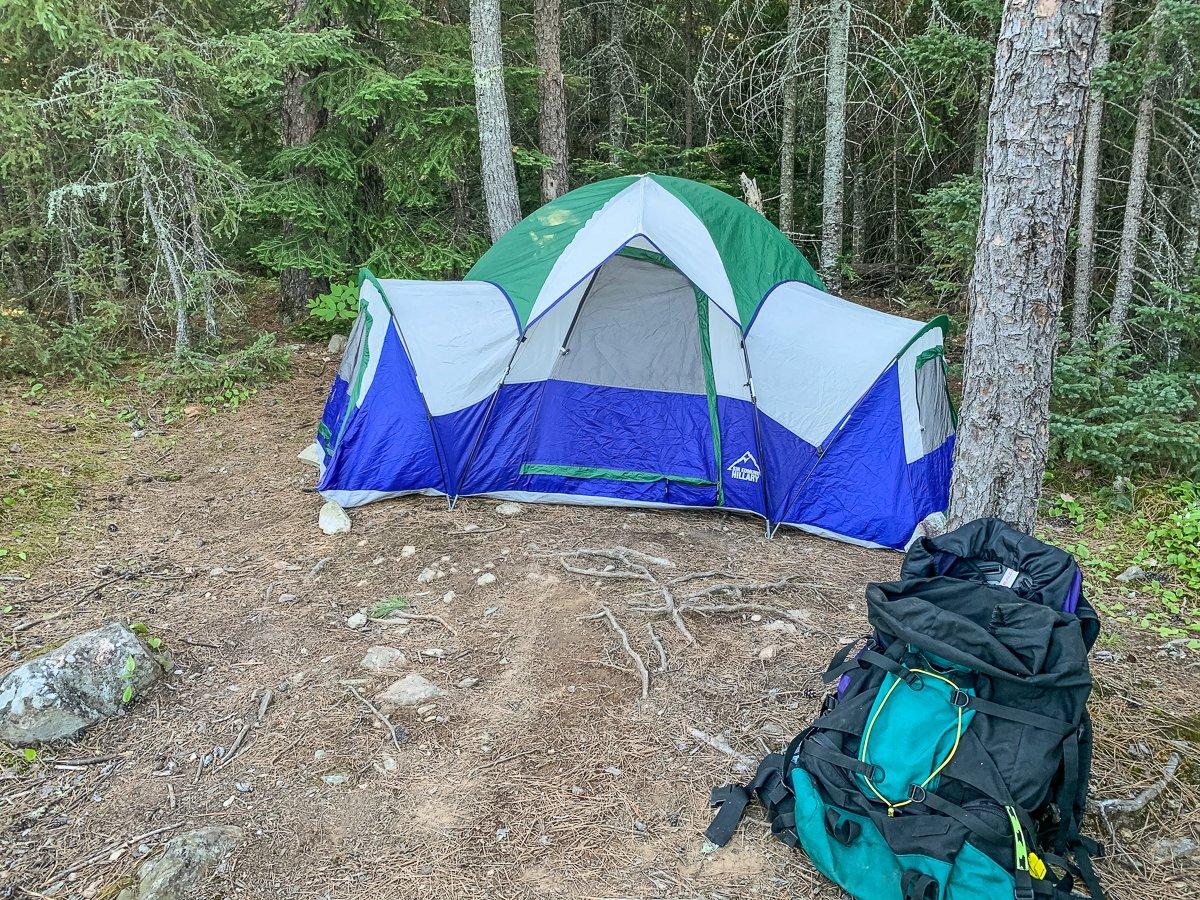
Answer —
88 350
127 672
330 313
1112 415
1175 539
948 218
223 381
385 608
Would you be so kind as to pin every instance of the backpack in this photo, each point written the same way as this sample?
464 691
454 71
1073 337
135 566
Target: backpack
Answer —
951 760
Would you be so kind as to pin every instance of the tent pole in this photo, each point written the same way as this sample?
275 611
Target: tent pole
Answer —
762 458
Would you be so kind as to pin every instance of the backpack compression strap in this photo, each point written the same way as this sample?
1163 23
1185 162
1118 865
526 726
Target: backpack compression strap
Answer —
770 784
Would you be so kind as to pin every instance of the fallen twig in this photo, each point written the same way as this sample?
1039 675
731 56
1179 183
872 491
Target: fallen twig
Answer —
662 653
606 613
402 618
721 745
383 720
241 735
1126 805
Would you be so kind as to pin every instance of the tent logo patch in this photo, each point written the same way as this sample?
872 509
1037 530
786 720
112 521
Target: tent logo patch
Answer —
745 468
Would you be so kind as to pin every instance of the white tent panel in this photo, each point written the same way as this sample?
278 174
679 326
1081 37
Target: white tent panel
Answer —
841 349
543 342
601 236
728 361
459 336
685 240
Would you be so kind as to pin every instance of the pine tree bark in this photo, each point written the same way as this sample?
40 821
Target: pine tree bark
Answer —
491 105
617 81
689 74
1089 192
1043 69
833 193
1139 167
552 121
858 210
301 121
787 143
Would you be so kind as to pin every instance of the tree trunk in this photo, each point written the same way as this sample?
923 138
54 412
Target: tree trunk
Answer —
751 192
858 210
1089 191
552 122
787 143
832 203
1139 166
1043 67
301 119
491 106
689 74
616 79
166 246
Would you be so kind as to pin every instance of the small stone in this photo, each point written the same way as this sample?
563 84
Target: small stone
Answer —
14 448
769 652
244 787
509 509
485 579
216 573
1133 573
186 861
426 709
448 597
337 345
407 550
434 652
333 519
357 620
389 763
319 755
411 690
312 454
427 575
335 779
383 659
469 682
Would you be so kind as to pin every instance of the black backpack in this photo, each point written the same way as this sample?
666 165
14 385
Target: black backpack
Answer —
951 759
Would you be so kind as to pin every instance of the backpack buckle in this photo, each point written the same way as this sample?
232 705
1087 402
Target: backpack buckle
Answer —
960 698
916 793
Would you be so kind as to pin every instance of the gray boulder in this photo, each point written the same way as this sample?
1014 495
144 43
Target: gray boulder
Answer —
337 345
86 680
186 861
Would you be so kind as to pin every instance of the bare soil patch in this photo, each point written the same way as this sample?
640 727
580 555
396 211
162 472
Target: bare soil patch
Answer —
550 777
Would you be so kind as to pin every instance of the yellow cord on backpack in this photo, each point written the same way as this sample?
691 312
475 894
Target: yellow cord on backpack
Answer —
862 752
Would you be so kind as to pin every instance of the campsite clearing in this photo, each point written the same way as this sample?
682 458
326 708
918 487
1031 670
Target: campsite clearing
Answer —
541 772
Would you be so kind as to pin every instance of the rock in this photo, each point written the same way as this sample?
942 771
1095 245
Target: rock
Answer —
357 620
312 454
407 550
333 519
411 690
337 345
383 659
1173 849
1133 573
185 863
469 682
335 779
448 597
427 575
509 509
769 652
86 680
485 579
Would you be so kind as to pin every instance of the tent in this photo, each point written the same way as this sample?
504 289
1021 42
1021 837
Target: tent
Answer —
644 341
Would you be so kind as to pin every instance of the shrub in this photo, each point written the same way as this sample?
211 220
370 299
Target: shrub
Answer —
225 380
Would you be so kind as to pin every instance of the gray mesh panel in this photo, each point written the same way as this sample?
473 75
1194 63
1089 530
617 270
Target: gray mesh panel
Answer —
637 328
933 402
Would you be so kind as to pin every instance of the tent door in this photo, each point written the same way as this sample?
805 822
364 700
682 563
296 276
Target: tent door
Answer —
630 397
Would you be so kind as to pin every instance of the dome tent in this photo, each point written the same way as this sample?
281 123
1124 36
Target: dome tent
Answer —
644 340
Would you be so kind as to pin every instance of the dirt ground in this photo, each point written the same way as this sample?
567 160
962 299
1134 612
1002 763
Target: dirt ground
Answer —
551 776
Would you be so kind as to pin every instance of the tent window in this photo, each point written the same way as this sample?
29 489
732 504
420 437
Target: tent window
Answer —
354 349
933 400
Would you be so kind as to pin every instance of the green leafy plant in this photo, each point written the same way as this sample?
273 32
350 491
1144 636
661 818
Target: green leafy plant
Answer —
127 673
385 608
